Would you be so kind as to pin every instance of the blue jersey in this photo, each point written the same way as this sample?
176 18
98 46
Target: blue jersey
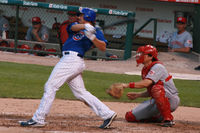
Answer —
78 42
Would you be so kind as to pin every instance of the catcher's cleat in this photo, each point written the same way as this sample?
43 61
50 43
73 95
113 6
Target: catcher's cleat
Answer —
108 122
31 123
167 124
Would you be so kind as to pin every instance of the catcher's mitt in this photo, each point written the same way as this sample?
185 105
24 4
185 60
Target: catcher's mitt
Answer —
116 90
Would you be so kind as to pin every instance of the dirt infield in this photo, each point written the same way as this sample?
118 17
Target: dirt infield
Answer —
73 116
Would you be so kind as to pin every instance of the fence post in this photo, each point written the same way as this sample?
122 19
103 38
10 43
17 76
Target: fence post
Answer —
129 38
16 28
196 29
155 32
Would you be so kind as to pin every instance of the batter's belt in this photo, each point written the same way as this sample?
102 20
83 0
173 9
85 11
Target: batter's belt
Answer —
72 52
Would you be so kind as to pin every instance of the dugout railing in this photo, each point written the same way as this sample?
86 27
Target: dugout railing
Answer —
154 30
19 14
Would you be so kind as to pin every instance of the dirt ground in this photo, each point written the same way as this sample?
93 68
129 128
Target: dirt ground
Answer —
73 116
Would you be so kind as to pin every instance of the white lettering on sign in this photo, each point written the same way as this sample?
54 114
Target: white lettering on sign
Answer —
57 6
27 3
118 12
183 1
189 1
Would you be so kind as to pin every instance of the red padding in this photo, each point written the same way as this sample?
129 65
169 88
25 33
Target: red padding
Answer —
130 117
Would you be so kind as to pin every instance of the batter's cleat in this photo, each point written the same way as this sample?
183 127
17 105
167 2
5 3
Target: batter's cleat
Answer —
167 124
31 123
108 122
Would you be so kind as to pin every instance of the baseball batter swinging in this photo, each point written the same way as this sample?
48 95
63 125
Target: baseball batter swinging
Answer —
82 36
160 87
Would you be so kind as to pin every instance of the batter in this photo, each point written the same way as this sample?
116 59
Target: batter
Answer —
69 70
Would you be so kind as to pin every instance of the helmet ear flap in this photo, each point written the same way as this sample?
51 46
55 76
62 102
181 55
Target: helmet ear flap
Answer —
152 51
153 58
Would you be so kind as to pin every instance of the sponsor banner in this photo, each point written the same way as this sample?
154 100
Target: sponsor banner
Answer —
115 12
65 7
57 6
183 1
29 3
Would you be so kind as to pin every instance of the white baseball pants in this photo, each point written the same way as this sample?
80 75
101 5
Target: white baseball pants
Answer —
68 70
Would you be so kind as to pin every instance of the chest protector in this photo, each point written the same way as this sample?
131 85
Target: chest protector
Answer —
146 70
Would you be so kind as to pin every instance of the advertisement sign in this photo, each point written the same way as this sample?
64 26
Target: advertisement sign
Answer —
183 1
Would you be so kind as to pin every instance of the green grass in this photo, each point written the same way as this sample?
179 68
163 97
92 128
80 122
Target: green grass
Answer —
27 81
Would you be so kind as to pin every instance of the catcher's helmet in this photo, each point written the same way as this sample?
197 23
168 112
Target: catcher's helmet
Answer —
89 14
147 49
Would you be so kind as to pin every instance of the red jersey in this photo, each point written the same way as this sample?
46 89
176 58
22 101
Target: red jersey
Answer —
63 31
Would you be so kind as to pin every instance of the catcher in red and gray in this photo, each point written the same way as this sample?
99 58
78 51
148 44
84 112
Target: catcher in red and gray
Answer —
160 87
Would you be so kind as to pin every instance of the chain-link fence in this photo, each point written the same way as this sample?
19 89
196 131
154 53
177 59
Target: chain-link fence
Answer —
19 14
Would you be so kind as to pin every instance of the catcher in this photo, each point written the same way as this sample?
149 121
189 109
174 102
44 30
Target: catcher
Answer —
160 87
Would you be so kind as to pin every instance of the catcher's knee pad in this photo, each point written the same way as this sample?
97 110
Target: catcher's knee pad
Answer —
158 92
162 102
130 117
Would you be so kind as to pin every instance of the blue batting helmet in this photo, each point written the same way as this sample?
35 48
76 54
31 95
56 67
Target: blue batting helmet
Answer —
89 15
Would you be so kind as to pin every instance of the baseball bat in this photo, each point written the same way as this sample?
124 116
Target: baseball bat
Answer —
119 23
60 41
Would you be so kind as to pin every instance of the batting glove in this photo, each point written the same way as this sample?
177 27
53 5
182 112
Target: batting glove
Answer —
90 28
90 35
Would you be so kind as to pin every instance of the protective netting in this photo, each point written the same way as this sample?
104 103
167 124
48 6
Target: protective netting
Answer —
16 38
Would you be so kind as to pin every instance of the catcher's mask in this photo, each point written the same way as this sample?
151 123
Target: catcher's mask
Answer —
146 50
